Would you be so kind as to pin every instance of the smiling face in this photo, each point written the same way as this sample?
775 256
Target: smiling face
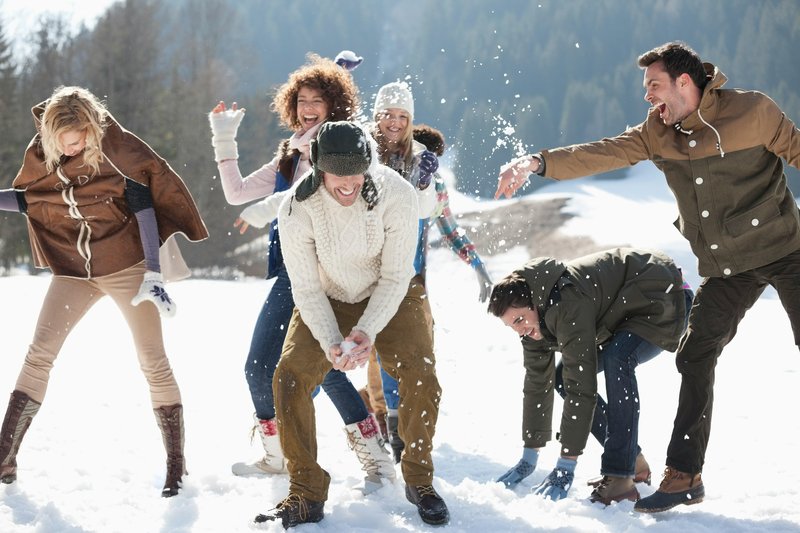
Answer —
72 142
393 123
344 189
524 321
675 99
312 108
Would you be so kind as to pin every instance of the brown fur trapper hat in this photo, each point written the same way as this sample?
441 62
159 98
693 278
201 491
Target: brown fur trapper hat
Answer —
341 148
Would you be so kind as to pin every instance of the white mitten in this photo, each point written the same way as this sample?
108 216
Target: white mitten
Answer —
152 289
223 133
257 214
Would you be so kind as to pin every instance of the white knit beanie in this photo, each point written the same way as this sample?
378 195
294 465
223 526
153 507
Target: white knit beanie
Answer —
395 95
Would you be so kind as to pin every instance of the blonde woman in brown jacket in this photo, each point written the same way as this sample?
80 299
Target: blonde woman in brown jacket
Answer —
99 203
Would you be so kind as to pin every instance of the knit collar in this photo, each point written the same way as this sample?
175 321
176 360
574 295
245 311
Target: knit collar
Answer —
301 139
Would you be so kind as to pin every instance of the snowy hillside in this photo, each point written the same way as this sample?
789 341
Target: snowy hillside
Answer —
93 460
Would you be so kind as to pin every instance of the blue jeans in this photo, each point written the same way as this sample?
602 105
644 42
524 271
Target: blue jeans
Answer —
617 427
390 388
265 352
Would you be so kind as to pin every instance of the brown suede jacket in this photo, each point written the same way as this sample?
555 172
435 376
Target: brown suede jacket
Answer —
723 164
624 289
80 224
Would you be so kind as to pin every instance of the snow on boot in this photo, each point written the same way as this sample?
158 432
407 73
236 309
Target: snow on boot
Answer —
170 422
19 415
273 461
615 489
395 441
364 439
293 511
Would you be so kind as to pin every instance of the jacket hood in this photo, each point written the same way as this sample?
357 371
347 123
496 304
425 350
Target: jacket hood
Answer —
37 111
706 111
541 275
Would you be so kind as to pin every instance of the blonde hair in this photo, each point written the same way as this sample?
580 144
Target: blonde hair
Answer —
73 109
404 147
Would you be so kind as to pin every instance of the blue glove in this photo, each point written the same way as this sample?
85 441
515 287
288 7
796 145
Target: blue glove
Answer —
556 485
348 60
523 469
428 164
485 283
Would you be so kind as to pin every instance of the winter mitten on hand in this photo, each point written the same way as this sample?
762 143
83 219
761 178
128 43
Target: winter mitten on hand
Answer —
152 289
556 485
523 468
348 60
224 126
257 214
428 164
484 282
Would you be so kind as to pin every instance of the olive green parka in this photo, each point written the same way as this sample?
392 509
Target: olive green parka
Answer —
595 296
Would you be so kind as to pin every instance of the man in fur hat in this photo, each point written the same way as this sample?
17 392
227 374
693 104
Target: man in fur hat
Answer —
349 232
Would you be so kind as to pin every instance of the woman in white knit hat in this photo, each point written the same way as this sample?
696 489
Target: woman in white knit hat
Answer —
399 149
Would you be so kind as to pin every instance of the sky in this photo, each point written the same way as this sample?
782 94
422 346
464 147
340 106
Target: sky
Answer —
19 16
92 460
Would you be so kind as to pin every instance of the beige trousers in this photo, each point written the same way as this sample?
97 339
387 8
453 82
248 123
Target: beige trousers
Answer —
406 348
67 301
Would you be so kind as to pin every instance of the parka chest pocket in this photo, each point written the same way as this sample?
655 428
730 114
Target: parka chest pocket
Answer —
760 215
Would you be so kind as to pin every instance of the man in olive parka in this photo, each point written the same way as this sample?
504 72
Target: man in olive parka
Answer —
608 311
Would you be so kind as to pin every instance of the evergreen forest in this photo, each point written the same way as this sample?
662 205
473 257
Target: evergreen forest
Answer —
498 78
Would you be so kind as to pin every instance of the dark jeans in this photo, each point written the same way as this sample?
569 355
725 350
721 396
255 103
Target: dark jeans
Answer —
719 306
615 424
265 351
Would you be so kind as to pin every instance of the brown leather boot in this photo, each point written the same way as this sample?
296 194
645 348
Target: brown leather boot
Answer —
677 488
19 415
642 469
170 422
615 489
642 473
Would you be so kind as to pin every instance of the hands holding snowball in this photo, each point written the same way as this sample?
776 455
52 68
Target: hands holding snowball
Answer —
352 352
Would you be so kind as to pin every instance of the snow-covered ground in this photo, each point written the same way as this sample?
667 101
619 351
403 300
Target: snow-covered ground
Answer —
93 460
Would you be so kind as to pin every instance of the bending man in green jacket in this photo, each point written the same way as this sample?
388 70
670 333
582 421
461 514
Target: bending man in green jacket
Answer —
720 151
608 312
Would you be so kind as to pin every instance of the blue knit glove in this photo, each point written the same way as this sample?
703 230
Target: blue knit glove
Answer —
556 485
428 164
348 60
523 469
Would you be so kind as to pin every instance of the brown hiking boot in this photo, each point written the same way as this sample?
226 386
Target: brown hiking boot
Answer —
641 469
676 488
614 489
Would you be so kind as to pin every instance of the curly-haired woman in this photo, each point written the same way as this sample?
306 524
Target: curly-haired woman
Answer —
317 92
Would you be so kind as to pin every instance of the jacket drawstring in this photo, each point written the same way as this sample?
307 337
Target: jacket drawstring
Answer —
85 232
719 139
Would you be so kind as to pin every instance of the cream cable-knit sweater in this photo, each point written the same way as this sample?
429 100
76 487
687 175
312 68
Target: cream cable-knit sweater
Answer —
350 253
